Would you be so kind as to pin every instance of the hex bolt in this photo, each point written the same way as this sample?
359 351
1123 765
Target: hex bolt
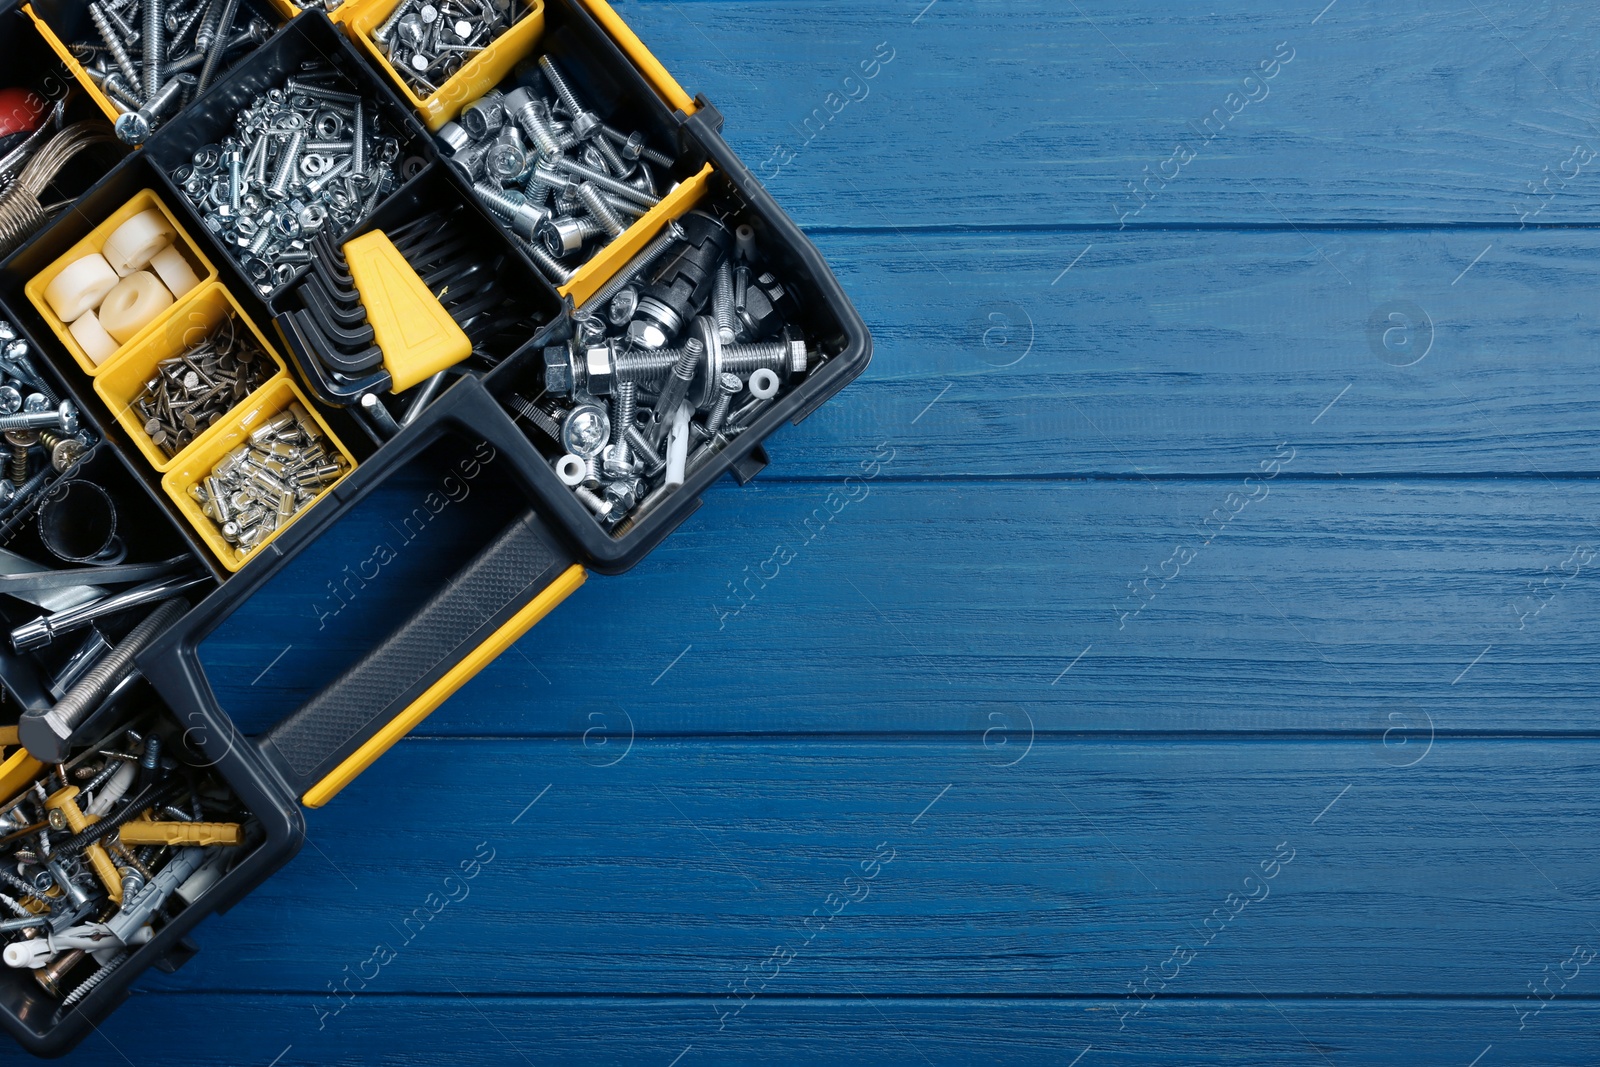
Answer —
722 301
600 508
727 385
287 164
624 398
155 46
583 121
590 195
785 357
635 144
638 264
63 418
606 182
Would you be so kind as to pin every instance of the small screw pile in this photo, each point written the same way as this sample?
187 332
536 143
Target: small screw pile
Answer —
671 410
75 897
150 58
562 180
428 42
192 390
307 156
263 483
35 457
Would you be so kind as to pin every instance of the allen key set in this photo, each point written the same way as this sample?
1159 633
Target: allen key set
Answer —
310 249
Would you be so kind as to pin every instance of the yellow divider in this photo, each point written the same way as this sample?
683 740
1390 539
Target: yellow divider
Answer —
72 65
477 75
648 64
16 773
440 691
417 335
588 279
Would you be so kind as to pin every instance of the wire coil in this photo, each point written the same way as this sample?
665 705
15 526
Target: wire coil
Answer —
21 213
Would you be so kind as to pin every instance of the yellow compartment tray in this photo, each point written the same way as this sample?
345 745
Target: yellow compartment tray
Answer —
94 242
223 437
123 377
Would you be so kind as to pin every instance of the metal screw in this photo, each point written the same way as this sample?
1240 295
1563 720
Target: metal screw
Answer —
154 46
722 301
64 418
727 385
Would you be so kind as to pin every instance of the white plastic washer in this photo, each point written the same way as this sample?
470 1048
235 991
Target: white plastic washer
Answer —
133 304
763 383
80 286
570 469
174 271
92 338
131 245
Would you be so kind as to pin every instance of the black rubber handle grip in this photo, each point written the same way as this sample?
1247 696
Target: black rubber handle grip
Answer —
481 598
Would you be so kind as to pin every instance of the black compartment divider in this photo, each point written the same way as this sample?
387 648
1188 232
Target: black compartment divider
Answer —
310 37
828 320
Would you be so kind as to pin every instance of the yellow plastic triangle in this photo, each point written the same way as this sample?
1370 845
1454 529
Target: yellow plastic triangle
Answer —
417 335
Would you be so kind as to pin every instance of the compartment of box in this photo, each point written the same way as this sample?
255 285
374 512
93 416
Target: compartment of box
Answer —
68 26
200 460
199 317
38 286
200 749
308 48
609 89
34 68
480 73
838 344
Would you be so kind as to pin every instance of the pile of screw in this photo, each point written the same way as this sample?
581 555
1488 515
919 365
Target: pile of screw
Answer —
307 156
151 57
562 180
41 430
75 899
427 42
671 410
194 389
265 482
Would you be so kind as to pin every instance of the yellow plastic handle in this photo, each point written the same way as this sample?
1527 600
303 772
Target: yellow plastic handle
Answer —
436 694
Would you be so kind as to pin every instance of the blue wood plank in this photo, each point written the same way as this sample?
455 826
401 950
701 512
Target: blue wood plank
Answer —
848 1030
1319 605
1036 113
1071 868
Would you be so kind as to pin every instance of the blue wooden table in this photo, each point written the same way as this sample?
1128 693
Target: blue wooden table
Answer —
1177 648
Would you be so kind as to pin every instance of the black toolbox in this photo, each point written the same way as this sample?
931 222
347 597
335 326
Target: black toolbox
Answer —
542 538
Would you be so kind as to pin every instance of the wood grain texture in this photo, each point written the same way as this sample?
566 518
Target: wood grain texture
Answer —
1036 113
1067 872
1046 643
1324 605
391 1031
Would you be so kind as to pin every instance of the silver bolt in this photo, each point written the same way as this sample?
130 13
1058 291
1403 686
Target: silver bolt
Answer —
63 418
677 387
590 195
722 301
288 162
638 264
727 385
154 46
